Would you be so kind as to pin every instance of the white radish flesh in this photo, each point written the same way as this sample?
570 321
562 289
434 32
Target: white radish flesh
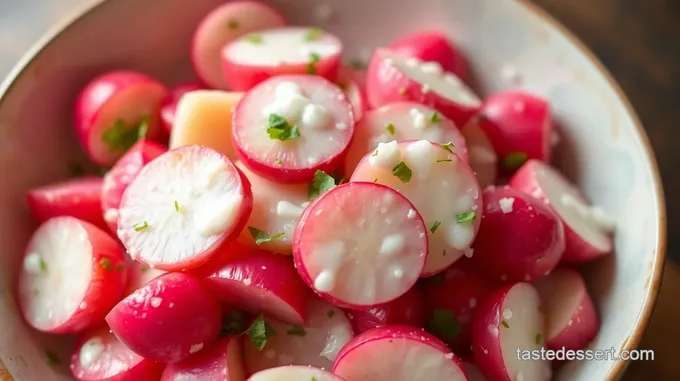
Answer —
483 158
139 275
294 373
220 362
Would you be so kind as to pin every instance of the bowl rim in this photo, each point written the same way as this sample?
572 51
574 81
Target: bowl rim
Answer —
652 291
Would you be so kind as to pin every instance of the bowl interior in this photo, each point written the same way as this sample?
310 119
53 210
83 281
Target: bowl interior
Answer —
604 151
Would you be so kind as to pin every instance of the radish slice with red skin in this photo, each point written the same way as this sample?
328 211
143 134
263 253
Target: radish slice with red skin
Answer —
407 309
182 206
432 46
441 188
571 319
117 96
139 275
408 121
356 75
509 319
168 319
169 104
294 373
587 229
356 97
356 246
483 158
472 372
397 353
220 362
318 108
73 273
254 58
100 356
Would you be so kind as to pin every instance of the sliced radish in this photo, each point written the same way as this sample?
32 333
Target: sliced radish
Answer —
169 105
294 373
442 187
521 238
395 78
182 207
397 353
571 319
100 356
403 121
221 361
114 110
290 126
360 245
353 84
355 75
72 274
168 319
256 57
472 372
508 321
121 175
407 309
316 343
483 158
432 46
139 275
80 198
587 229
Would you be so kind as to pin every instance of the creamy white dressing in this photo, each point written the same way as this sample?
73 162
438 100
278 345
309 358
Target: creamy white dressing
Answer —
291 104
392 244
217 217
288 210
195 348
33 263
593 214
506 204
387 155
420 157
90 351
111 215
418 118
325 281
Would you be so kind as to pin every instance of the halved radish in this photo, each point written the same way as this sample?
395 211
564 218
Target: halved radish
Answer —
114 110
521 238
79 197
360 245
483 158
100 356
223 25
316 343
256 57
407 309
587 229
508 325
168 319
72 274
403 121
472 372
139 275
440 185
221 361
169 105
290 126
396 78
397 353
571 320
122 174
182 206
432 46
294 373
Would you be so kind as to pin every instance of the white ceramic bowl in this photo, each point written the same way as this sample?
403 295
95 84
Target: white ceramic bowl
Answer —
607 151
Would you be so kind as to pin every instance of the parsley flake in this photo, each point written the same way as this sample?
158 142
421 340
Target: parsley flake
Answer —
321 183
390 128
233 24
313 34
296 330
259 331
402 172
514 160
280 129
176 206
311 65
278 161
402 91
466 217
51 358
447 146
261 237
120 267
444 160
254 39
538 338
444 324
106 264
140 226
233 324
505 324
435 117
122 136
330 314
435 226
42 264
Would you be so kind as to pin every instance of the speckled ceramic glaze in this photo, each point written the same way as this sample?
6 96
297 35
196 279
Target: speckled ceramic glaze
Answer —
509 44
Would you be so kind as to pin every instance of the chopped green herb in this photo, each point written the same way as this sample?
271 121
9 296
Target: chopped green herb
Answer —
505 324
233 324
402 91
313 34
375 180
120 267
402 171
278 161
140 226
375 153
358 63
76 169
444 324
321 183
143 268
330 314
176 206
390 128
435 226
261 237
280 129
447 146
444 253
514 160
296 330
42 264
539 338
233 24
314 378
101 171
51 358
466 217
121 136
343 85
255 39
106 264
311 65
444 160
435 117
259 331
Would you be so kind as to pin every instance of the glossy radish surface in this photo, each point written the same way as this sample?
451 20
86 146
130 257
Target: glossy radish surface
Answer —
169 104
222 361
182 207
483 159
432 46
71 276
139 275
294 373
290 126
407 309
356 246
440 185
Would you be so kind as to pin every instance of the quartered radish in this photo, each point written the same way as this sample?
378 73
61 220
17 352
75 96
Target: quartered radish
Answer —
403 121
290 126
223 25
182 206
587 229
100 356
168 319
432 46
397 353
121 175
440 185
222 361
357 247
79 197
294 373
521 238
472 372
407 309
510 319
256 57
483 159
139 275
395 78
169 105
316 343
571 320
114 110
71 276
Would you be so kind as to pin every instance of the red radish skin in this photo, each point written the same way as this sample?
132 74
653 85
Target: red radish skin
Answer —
168 319
357 247
257 57
139 275
79 198
356 75
117 96
587 229
169 104
398 353
182 207
318 108
73 273
483 159
220 362
509 319
441 187
407 309
571 319
100 356
294 373
223 25
356 97
432 46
